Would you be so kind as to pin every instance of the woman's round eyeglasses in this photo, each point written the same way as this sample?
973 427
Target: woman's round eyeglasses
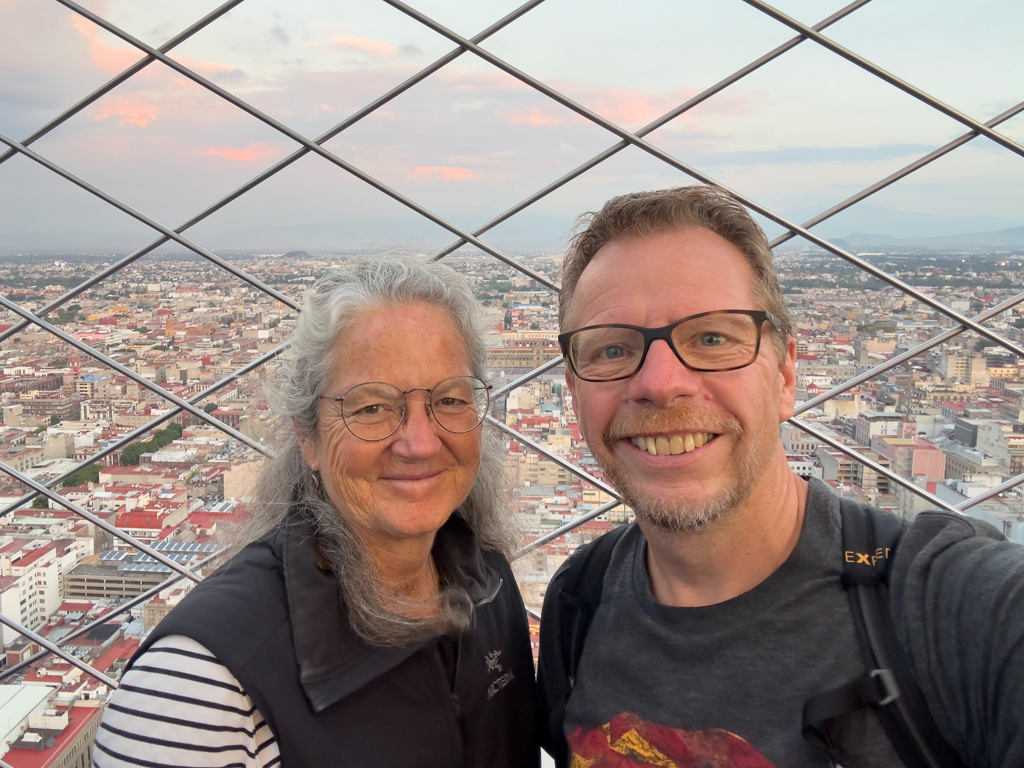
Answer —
375 410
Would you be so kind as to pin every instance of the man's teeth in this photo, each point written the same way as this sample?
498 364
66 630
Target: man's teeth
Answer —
665 446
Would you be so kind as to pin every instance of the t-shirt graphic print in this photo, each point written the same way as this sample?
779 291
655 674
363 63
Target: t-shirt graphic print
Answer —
629 741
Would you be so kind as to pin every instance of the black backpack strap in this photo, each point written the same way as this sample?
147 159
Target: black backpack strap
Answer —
581 596
870 538
573 610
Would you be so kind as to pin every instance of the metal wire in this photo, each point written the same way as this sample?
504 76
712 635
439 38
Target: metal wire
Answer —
652 126
111 84
137 378
130 437
854 454
516 383
138 216
903 357
261 177
463 238
57 650
670 160
105 618
295 136
569 527
992 492
888 77
945 149
99 522
567 465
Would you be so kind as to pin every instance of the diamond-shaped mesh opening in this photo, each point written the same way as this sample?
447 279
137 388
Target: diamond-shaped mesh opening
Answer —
619 138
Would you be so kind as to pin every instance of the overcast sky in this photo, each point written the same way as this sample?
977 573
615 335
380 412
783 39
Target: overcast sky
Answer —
801 134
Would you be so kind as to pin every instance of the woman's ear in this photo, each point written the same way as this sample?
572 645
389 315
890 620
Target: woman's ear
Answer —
310 451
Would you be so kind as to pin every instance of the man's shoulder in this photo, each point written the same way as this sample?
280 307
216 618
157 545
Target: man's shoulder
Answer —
602 547
938 541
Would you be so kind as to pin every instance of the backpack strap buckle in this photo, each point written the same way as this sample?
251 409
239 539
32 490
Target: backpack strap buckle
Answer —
887 680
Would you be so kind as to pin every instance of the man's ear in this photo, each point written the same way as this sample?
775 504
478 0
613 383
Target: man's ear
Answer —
787 374
570 382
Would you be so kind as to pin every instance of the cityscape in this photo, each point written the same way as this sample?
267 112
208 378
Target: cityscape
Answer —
950 420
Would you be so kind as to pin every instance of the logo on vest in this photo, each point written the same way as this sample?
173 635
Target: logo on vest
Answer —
500 683
867 558
493 666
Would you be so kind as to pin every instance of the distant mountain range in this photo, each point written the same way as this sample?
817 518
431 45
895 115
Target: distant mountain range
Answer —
1000 239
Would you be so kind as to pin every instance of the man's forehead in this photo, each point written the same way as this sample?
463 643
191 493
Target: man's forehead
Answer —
692 269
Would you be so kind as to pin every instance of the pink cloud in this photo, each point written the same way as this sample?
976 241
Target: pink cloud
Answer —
366 45
208 67
130 110
534 117
447 173
623 106
627 106
107 57
254 151
487 80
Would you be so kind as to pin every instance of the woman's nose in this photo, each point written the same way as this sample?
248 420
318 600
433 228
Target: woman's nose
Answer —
417 435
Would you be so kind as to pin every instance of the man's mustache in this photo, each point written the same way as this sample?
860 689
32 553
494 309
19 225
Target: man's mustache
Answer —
645 420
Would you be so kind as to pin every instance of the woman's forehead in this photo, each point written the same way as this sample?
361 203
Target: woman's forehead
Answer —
407 345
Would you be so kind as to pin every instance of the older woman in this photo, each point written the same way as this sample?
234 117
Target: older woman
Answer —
375 620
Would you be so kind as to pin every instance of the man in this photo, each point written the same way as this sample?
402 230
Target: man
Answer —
723 610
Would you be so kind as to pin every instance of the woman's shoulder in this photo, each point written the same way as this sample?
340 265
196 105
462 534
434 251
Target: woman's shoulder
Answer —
178 705
236 608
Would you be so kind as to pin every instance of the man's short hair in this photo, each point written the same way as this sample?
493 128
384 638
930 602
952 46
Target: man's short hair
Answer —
642 214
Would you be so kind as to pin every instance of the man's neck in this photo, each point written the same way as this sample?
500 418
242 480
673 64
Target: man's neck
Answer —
733 554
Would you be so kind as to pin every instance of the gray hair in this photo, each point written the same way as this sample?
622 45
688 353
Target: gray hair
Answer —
333 304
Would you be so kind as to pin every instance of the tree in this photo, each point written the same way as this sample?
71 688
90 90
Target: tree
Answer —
210 407
40 502
54 420
90 474
130 455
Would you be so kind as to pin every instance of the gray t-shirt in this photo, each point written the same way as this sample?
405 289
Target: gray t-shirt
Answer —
724 685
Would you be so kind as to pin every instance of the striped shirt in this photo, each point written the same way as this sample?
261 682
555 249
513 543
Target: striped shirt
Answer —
178 706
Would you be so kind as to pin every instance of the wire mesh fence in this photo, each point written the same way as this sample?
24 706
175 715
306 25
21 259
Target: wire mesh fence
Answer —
609 135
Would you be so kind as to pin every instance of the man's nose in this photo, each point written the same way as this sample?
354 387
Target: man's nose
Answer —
663 378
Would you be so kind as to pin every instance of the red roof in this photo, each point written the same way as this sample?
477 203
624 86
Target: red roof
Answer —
79 719
123 651
143 519
73 607
32 556
7 581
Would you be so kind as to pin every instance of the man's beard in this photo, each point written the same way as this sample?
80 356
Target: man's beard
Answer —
684 513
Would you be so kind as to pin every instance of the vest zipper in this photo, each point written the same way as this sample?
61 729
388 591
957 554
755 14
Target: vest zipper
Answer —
453 696
456 705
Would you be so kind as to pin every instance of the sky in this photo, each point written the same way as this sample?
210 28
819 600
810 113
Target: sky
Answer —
799 135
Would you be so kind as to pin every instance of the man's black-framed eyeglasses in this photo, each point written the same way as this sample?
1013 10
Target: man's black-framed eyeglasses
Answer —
722 340
375 410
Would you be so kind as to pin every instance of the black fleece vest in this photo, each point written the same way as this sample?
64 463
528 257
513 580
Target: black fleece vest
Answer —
339 701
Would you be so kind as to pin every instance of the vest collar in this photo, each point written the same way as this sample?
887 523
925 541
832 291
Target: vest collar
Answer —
333 660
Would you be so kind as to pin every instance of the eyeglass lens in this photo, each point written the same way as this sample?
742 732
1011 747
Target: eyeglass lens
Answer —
375 410
713 342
